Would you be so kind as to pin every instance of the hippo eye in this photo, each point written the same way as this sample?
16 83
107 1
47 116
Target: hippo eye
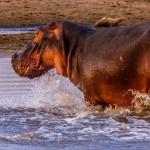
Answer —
53 26
37 33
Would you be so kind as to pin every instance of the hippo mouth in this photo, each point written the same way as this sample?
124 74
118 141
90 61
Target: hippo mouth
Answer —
29 70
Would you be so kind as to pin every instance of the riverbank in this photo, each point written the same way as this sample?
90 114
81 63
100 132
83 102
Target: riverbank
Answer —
27 12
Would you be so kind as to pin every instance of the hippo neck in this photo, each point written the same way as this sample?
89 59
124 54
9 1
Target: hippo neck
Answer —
75 36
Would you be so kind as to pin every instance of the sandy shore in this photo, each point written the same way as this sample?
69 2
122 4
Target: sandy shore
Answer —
32 12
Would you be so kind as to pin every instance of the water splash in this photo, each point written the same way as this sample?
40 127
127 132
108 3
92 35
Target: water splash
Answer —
51 108
50 90
141 101
53 90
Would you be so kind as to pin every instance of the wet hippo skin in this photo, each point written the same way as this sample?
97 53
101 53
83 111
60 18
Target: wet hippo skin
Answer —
106 63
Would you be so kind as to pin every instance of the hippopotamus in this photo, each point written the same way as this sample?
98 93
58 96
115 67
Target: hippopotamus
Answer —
105 63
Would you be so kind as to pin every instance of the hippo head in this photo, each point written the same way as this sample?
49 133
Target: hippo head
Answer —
43 53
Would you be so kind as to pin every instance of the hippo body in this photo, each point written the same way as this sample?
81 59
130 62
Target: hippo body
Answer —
105 63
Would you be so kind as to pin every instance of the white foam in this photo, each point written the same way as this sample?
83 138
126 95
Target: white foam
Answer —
55 90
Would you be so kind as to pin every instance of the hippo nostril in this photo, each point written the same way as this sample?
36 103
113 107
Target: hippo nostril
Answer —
16 62
16 59
14 56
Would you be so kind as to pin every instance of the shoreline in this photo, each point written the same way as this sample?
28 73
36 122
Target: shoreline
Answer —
28 13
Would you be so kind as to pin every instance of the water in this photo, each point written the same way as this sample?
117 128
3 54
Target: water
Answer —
16 30
50 113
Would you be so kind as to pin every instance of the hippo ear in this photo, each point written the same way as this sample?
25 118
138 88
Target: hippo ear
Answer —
53 26
55 31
